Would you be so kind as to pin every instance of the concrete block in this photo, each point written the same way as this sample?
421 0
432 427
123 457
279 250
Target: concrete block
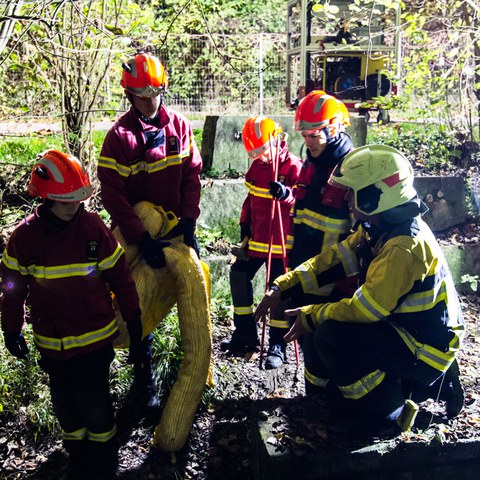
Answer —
446 198
222 148
297 439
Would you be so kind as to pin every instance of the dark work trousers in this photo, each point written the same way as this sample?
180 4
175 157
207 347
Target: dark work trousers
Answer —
316 376
351 351
242 273
81 400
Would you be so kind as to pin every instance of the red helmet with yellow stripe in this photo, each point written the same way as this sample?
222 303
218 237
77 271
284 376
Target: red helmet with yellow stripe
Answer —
260 133
61 177
144 76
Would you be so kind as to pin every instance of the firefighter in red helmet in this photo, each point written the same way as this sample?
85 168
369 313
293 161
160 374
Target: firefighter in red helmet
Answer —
265 144
150 154
66 261
320 214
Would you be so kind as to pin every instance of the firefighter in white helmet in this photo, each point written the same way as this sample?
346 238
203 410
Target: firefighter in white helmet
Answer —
398 335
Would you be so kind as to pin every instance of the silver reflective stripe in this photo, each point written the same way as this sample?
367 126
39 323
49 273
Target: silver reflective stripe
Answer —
79 434
322 222
57 174
348 258
111 261
90 337
243 310
102 437
361 299
363 386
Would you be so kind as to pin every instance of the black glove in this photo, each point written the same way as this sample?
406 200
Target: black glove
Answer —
189 238
278 190
135 329
152 250
245 231
16 344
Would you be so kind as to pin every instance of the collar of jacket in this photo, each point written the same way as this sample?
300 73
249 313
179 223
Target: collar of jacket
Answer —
44 213
162 118
336 149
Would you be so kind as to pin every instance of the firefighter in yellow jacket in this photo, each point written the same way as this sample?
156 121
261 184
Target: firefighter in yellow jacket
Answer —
398 335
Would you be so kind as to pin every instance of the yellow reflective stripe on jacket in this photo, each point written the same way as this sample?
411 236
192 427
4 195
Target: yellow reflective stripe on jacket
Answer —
110 261
112 164
62 271
418 302
308 279
257 191
102 437
66 343
363 386
79 434
243 310
348 258
142 166
289 242
364 302
430 355
314 380
278 323
264 247
322 222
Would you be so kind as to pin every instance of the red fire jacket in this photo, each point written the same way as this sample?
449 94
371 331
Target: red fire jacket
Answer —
257 207
143 162
65 273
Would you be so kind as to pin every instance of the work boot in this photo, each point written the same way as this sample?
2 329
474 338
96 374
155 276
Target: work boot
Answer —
452 391
239 345
143 387
78 461
275 357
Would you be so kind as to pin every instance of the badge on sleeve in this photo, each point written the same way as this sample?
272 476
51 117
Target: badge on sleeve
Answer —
92 250
173 145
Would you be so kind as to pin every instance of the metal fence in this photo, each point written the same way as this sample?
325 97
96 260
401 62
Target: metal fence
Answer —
226 74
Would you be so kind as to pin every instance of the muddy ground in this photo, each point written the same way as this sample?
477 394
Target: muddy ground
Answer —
220 445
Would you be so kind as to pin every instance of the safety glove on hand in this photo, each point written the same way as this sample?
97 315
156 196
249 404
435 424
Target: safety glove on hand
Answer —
245 231
189 238
16 344
278 190
151 250
135 330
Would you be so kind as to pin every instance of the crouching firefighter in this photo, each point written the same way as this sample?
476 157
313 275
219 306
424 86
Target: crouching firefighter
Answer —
67 262
395 340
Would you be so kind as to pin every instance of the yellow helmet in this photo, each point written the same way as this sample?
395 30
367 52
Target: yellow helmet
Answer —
380 176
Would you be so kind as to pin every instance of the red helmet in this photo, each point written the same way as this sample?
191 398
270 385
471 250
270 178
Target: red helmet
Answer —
259 133
61 177
144 76
319 110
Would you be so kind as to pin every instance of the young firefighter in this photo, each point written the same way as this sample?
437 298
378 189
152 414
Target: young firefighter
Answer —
259 230
321 217
63 262
149 154
399 333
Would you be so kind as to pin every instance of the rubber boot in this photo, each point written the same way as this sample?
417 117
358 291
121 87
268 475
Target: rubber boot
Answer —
143 387
78 460
103 459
